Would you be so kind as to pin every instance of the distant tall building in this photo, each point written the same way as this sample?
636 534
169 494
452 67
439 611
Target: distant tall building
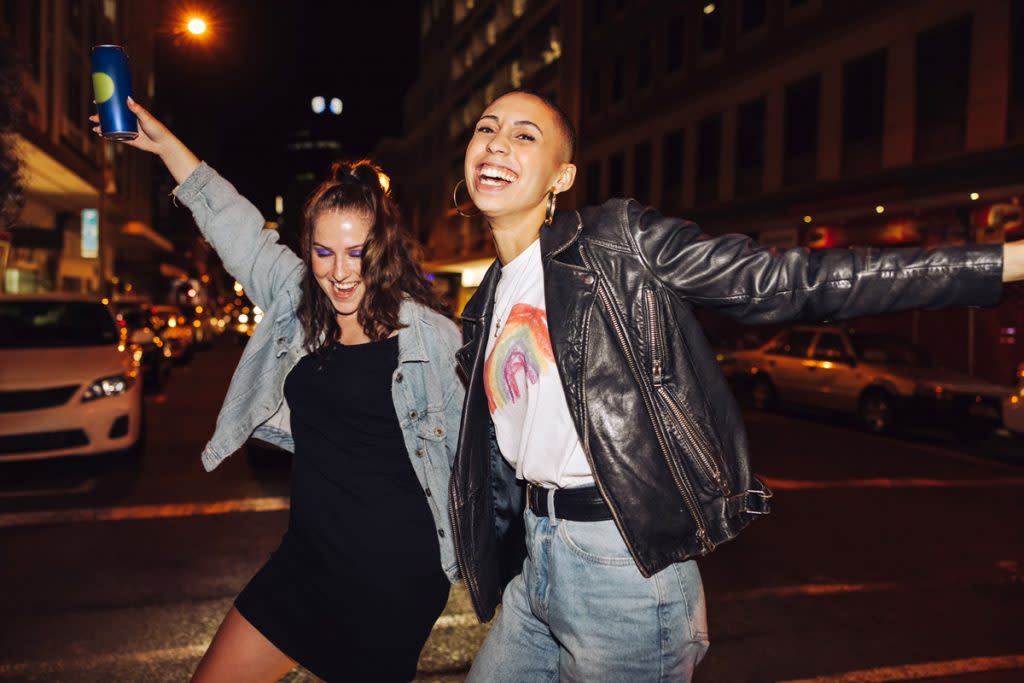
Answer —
799 122
89 206
311 149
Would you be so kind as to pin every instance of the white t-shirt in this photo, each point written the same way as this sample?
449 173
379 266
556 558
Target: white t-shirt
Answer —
531 418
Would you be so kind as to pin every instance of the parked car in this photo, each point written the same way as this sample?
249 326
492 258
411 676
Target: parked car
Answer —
1013 406
69 385
155 355
170 323
883 380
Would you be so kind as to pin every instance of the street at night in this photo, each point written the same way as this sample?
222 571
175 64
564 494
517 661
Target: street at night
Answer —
881 553
512 341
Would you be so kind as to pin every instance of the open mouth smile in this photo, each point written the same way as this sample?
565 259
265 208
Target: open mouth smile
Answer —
491 176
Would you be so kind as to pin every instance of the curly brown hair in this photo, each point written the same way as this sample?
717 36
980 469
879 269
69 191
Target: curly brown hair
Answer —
389 271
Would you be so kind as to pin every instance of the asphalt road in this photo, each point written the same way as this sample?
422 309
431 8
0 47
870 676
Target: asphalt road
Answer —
884 558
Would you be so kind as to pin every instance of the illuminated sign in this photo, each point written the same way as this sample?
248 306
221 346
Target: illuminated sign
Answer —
90 233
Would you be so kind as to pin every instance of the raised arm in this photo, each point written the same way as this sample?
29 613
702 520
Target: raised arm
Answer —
756 284
230 223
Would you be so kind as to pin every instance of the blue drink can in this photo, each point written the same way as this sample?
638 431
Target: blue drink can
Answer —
112 86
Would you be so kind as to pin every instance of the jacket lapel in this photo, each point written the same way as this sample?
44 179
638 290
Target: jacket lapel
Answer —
569 289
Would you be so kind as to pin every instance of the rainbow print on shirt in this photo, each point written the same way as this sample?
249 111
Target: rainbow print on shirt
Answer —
521 354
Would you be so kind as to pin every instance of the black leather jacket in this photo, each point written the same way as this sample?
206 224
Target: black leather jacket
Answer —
659 426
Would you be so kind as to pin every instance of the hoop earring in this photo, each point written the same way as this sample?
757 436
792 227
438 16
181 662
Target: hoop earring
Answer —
455 200
550 215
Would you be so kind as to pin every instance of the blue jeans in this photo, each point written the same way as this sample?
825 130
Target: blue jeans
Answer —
581 611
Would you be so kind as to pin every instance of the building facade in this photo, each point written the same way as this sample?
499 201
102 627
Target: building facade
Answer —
89 205
798 122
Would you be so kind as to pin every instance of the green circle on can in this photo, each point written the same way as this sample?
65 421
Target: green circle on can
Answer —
102 86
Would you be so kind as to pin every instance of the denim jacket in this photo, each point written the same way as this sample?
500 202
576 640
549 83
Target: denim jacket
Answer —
427 392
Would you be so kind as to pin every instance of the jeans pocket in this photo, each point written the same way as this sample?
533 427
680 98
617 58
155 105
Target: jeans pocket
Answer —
597 542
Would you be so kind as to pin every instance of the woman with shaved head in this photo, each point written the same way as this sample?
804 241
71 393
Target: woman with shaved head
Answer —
595 403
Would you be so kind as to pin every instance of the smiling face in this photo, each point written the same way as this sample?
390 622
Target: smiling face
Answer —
518 154
336 257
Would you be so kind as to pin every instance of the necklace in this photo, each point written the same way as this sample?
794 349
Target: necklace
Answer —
501 318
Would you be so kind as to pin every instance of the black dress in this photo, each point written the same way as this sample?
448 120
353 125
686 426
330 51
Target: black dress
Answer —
356 584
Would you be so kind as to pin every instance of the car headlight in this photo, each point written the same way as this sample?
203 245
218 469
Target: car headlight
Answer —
108 386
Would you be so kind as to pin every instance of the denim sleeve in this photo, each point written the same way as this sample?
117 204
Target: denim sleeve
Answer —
235 228
455 392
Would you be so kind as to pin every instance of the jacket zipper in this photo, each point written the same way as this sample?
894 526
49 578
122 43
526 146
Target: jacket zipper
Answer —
682 485
693 435
472 584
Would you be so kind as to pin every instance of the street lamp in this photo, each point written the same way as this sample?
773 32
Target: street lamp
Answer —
196 26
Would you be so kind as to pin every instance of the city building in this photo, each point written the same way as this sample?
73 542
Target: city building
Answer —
88 215
798 122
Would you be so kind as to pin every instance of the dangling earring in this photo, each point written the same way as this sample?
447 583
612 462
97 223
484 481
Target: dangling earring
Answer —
550 215
455 201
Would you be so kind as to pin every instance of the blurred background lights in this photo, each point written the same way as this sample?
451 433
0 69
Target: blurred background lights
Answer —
319 104
336 105
196 26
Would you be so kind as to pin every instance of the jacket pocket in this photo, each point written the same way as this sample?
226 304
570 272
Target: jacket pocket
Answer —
695 443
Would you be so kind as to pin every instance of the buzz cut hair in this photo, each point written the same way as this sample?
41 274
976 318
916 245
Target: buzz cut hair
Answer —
564 122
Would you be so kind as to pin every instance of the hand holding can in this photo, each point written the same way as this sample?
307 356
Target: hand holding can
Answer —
112 86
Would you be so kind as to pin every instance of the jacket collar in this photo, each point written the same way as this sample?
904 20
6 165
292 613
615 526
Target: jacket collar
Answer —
411 346
554 239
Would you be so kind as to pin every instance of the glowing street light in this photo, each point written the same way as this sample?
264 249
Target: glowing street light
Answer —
196 26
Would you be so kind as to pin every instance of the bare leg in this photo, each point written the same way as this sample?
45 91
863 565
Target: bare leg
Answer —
241 653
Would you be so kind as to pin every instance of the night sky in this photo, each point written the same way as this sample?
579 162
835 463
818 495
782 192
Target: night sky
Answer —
233 98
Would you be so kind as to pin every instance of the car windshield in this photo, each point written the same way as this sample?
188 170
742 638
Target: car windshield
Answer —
876 348
52 324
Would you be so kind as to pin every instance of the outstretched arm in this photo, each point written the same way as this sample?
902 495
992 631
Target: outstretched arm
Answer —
1013 261
229 221
756 284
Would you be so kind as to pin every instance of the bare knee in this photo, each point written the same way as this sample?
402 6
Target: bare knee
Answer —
239 652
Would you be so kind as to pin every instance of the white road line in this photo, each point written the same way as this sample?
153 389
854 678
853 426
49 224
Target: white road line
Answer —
114 659
85 487
886 483
914 672
73 515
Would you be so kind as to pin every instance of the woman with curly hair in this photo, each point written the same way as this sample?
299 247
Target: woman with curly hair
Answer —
352 368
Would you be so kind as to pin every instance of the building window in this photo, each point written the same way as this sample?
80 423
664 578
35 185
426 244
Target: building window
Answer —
711 28
753 15
750 147
594 91
644 62
709 158
594 183
672 154
618 78
800 131
863 113
1016 113
943 69
675 43
642 172
617 175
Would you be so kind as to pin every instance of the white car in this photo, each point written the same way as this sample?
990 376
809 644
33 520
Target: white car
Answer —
70 385
1013 406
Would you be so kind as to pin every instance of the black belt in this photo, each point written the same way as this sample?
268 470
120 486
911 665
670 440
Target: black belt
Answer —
583 504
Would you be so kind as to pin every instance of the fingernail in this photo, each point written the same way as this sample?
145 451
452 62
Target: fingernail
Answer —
131 100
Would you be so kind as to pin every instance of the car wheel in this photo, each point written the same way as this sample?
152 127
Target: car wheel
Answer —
762 394
877 412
